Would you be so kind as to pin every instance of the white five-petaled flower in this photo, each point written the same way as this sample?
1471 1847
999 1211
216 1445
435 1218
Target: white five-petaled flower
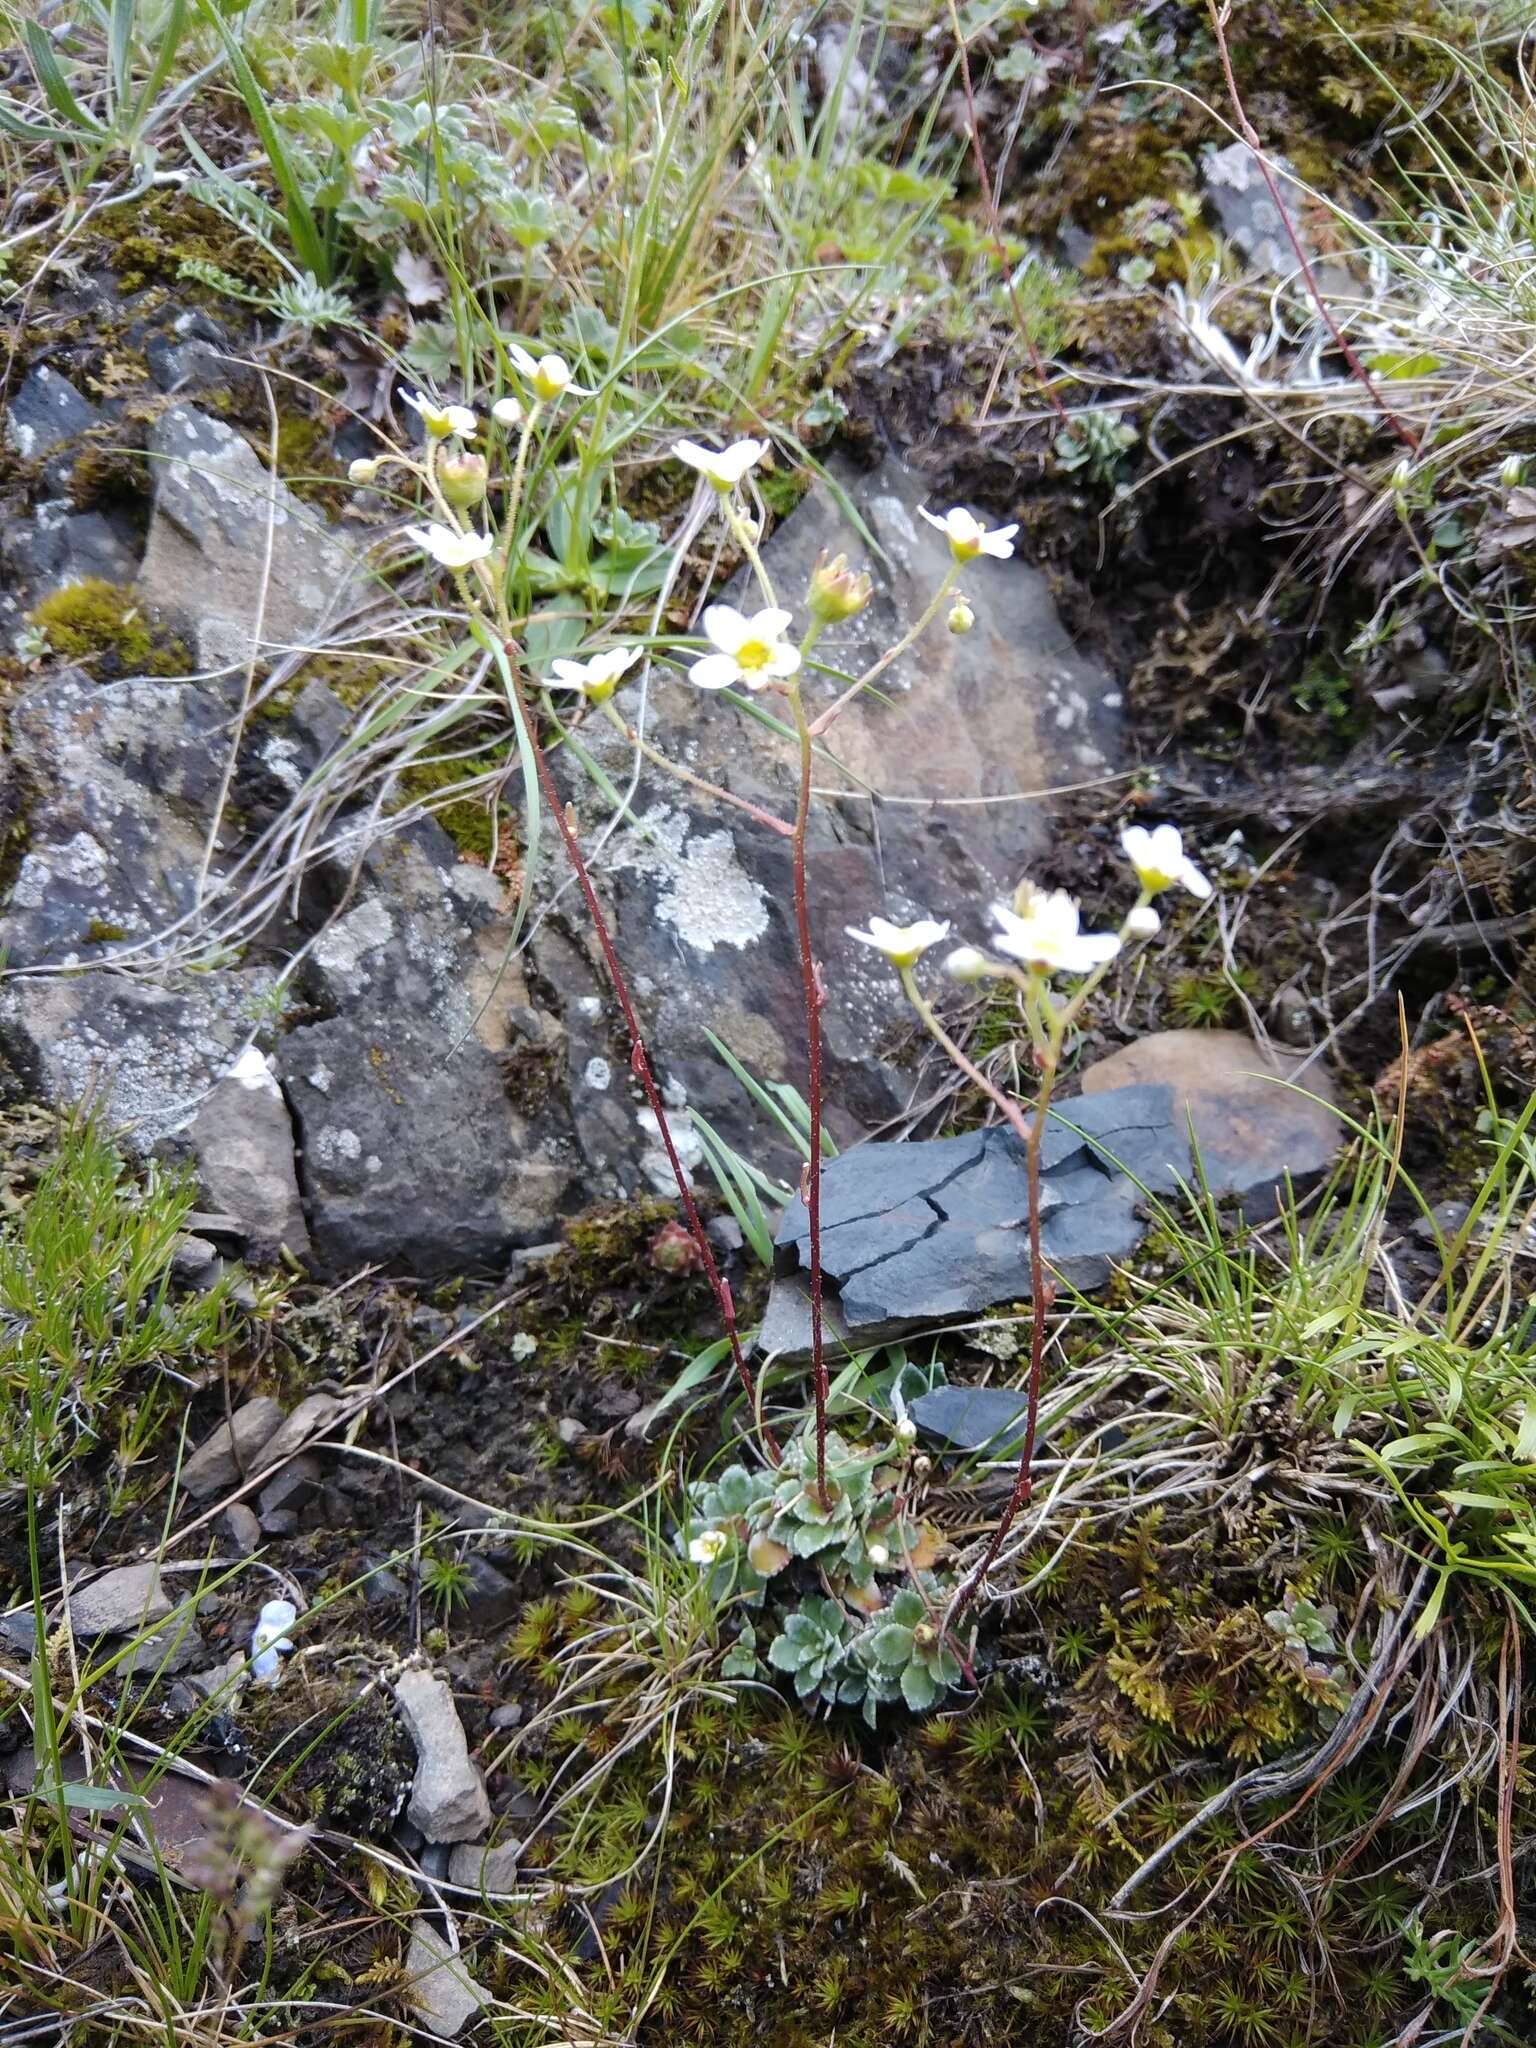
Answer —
454 550
751 651
269 1639
1045 934
441 420
902 944
968 538
506 412
1160 860
724 467
549 376
708 1545
596 678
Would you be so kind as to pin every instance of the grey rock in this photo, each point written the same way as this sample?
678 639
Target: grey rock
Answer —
130 1597
290 1489
438 1983
226 1457
410 1145
122 777
242 1139
242 1527
701 895
54 545
1246 212
46 413
971 1418
570 1429
1259 1118
281 1522
448 1801
164 1652
206 560
18 1631
188 357
919 1233
309 1419
484 1866
196 1263
382 1587
490 1597
508 1715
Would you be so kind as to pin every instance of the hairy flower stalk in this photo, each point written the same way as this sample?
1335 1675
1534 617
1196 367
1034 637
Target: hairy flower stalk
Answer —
639 1063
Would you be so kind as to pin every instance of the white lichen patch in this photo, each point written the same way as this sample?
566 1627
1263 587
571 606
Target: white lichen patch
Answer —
597 1074
654 1163
342 947
704 893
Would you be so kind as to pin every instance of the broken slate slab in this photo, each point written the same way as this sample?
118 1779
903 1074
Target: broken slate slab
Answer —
1258 1118
971 1418
243 1140
448 1800
914 1233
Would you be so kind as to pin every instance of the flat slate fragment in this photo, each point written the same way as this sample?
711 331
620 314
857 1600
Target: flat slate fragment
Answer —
971 1418
924 1232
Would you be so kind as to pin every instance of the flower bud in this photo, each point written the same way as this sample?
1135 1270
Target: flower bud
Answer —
879 1556
1402 476
363 471
836 591
906 1430
966 963
463 479
1143 922
1511 471
961 617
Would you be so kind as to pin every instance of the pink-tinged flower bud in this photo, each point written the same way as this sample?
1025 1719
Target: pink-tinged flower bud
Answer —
835 591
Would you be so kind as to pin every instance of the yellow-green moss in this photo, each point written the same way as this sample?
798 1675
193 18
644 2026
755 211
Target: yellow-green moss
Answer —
101 624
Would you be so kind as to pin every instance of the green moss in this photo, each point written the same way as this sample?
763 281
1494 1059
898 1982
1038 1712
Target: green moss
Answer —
467 821
102 625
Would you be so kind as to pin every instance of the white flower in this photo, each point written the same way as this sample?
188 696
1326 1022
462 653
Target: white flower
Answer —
443 544
1143 922
363 470
724 467
707 1546
1160 860
967 964
596 678
506 412
441 420
1045 934
968 538
751 651
269 1639
879 1556
550 376
902 944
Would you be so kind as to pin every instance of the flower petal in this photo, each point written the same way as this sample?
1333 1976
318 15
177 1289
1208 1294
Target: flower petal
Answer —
725 628
714 672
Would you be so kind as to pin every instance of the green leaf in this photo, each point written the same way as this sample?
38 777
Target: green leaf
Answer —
918 1689
783 1655
891 1644
698 1369
303 229
55 85
907 1607
83 1798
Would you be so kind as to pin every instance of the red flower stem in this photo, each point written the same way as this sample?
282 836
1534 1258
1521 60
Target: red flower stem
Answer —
639 1064
1029 1131
1220 15
815 997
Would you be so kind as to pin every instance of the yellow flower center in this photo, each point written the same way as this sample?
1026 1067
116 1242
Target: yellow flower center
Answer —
754 654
